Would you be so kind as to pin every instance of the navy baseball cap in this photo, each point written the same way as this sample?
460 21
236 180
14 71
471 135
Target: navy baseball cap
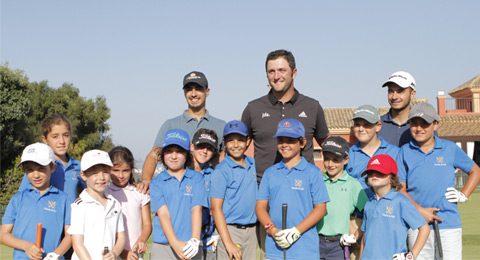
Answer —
336 145
290 128
195 77
235 127
178 137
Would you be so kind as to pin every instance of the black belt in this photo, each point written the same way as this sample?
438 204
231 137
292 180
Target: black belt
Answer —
330 238
243 226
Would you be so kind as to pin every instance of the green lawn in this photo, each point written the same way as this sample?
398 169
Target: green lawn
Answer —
471 230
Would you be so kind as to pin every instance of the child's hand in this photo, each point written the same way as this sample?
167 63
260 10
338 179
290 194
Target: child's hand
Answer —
427 213
178 248
285 238
348 239
109 256
403 256
214 242
140 246
455 196
33 252
233 251
131 255
191 249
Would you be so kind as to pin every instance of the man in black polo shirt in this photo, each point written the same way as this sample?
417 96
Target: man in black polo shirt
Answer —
282 101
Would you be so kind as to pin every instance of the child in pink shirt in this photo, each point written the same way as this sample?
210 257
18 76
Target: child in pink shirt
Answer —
135 205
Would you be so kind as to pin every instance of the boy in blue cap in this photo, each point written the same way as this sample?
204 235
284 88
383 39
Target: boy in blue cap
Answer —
233 191
299 184
41 203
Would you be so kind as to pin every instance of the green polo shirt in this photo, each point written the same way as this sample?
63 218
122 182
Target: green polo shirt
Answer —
346 194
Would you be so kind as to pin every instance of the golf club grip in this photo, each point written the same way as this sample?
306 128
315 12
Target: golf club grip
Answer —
437 236
38 243
284 215
347 253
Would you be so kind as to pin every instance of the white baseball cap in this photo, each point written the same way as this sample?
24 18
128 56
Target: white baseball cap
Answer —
94 157
401 78
39 153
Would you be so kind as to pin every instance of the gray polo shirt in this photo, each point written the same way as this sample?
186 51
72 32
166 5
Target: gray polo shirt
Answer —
262 116
191 126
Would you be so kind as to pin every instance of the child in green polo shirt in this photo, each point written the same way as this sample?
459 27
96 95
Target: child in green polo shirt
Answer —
346 194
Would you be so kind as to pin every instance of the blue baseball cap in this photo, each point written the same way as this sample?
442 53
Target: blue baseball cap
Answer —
235 127
290 128
178 137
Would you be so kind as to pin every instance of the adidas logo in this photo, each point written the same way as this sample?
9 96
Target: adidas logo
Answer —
375 162
265 114
302 114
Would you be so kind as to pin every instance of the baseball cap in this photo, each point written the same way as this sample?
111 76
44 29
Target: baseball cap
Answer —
195 77
424 111
336 145
367 112
401 78
290 128
205 138
381 163
178 137
39 153
94 157
235 127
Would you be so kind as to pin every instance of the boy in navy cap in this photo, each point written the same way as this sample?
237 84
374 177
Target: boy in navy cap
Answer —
39 203
299 184
233 191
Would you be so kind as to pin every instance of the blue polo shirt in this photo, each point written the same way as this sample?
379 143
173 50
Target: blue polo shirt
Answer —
237 186
208 225
358 161
191 126
301 187
394 133
28 207
429 175
386 223
66 179
180 197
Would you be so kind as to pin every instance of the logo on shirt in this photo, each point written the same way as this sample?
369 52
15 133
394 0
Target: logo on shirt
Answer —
302 114
51 206
440 161
298 185
74 173
265 114
388 212
188 191
343 189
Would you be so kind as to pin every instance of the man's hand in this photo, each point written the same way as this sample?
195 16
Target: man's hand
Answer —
143 187
348 239
191 249
403 256
285 238
214 242
455 196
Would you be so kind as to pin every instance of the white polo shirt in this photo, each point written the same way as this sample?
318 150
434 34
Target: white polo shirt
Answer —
97 224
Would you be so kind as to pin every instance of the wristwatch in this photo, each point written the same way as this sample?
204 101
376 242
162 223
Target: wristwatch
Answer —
52 256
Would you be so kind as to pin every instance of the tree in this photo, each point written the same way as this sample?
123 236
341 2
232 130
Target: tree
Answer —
24 107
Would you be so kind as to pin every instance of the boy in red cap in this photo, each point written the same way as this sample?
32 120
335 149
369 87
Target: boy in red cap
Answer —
389 214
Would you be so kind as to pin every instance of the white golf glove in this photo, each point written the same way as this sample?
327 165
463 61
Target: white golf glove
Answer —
52 256
191 249
287 237
454 195
348 239
403 256
214 242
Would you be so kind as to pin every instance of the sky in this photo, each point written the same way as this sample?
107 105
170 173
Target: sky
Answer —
135 53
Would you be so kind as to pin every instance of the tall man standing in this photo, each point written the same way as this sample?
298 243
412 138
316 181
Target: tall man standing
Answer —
282 101
395 126
196 91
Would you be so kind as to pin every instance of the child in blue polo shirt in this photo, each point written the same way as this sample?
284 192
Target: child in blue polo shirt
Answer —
204 148
388 215
427 168
300 185
41 203
233 191
177 195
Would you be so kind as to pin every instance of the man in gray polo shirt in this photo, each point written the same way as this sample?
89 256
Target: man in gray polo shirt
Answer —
282 101
196 91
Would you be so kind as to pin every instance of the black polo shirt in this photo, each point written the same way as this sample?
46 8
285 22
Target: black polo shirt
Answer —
262 116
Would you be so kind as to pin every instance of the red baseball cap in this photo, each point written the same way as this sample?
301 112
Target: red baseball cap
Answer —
382 163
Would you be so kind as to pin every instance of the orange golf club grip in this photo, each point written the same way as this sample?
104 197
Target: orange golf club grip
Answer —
39 235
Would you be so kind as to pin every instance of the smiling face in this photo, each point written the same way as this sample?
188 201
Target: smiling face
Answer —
120 174
202 153
365 131
97 178
290 148
174 157
39 175
422 131
398 97
280 76
58 138
334 164
196 96
235 146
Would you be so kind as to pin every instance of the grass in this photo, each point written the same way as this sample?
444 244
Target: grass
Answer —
469 213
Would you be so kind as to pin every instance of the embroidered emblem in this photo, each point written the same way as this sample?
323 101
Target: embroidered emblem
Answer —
189 189
389 210
298 183
286 124
52 204
375 162
302 114
74 173
440 159
265 114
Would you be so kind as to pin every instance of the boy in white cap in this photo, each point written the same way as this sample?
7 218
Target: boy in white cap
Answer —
97 224
427 168
39 203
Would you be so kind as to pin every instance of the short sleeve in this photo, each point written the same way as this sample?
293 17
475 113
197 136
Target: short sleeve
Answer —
156 196
359 196
11 211
199 196
402 170
68 212
318 189
144 198
462 161
321 130
264 189
161 134
218 184
411 215
77 219
246 119
120 225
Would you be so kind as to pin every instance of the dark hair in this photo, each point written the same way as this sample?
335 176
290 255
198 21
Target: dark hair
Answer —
120 154
281 54
54 119
394 182
188 157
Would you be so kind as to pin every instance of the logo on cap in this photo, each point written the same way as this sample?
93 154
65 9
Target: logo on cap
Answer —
286 124
193 76
332 143
376 161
